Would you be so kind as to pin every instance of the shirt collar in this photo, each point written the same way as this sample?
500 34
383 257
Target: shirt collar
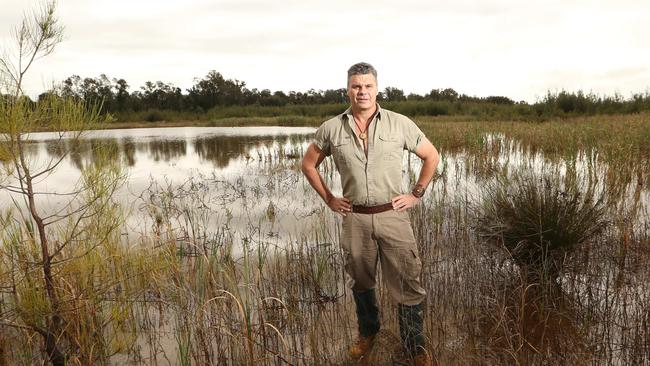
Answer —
348 112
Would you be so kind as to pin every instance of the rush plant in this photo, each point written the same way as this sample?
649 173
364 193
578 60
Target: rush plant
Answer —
539 220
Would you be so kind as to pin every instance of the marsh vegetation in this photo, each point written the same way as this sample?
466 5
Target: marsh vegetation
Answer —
240 264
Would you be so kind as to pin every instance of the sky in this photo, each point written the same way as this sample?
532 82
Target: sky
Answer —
515 48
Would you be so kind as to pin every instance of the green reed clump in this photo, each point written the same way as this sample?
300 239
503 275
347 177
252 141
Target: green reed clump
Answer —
539 221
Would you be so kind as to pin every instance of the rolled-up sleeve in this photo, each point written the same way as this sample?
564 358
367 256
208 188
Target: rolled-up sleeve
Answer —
412 135
322 140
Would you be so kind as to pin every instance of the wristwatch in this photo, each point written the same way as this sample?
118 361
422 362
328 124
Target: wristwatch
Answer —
418 191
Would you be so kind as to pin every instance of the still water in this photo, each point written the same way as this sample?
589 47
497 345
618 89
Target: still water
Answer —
242 175
245 179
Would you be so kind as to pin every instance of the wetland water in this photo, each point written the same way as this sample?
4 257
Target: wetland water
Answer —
243 174
247 178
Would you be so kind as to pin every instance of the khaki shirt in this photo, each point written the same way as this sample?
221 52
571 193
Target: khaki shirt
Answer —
377 178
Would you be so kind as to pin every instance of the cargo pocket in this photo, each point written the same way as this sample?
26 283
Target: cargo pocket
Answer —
414 265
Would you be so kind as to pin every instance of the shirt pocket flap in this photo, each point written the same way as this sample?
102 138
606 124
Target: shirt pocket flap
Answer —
388 138
341 141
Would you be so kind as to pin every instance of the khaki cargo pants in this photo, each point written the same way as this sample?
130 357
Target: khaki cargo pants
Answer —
387 237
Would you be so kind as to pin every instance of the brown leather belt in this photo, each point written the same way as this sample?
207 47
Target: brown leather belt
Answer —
372 209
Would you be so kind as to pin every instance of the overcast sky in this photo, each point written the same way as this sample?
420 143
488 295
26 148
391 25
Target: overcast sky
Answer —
516 48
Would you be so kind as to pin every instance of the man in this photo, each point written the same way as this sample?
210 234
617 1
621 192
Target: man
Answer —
367 144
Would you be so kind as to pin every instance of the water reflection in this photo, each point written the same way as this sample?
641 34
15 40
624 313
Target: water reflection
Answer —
221 151
129 151
170 156
163 150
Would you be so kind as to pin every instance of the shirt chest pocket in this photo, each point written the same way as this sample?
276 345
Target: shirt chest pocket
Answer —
341 150
391 147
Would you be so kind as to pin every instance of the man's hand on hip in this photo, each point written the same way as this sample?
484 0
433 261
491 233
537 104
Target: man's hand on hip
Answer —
340 205
404 201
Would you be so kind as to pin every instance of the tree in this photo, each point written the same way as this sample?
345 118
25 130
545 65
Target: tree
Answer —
335 96
71 87
414 96
497 99
394 94
35 240
161 96
448 94
215 90
122 96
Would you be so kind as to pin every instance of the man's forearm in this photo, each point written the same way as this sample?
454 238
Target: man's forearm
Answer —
316 181
429 166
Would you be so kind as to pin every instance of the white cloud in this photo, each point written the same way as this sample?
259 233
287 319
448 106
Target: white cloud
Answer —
515 48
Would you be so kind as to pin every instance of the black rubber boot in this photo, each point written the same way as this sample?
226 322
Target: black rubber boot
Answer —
367 312
411 327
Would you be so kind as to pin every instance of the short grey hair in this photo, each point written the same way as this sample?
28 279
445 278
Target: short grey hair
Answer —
361 68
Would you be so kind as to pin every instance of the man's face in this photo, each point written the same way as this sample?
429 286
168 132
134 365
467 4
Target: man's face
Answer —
362 91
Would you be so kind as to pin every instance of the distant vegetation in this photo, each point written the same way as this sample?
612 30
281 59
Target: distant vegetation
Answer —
215 97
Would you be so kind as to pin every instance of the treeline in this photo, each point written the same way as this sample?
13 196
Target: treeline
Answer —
217 97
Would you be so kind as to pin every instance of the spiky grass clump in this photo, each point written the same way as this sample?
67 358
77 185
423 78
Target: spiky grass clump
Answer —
539 220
